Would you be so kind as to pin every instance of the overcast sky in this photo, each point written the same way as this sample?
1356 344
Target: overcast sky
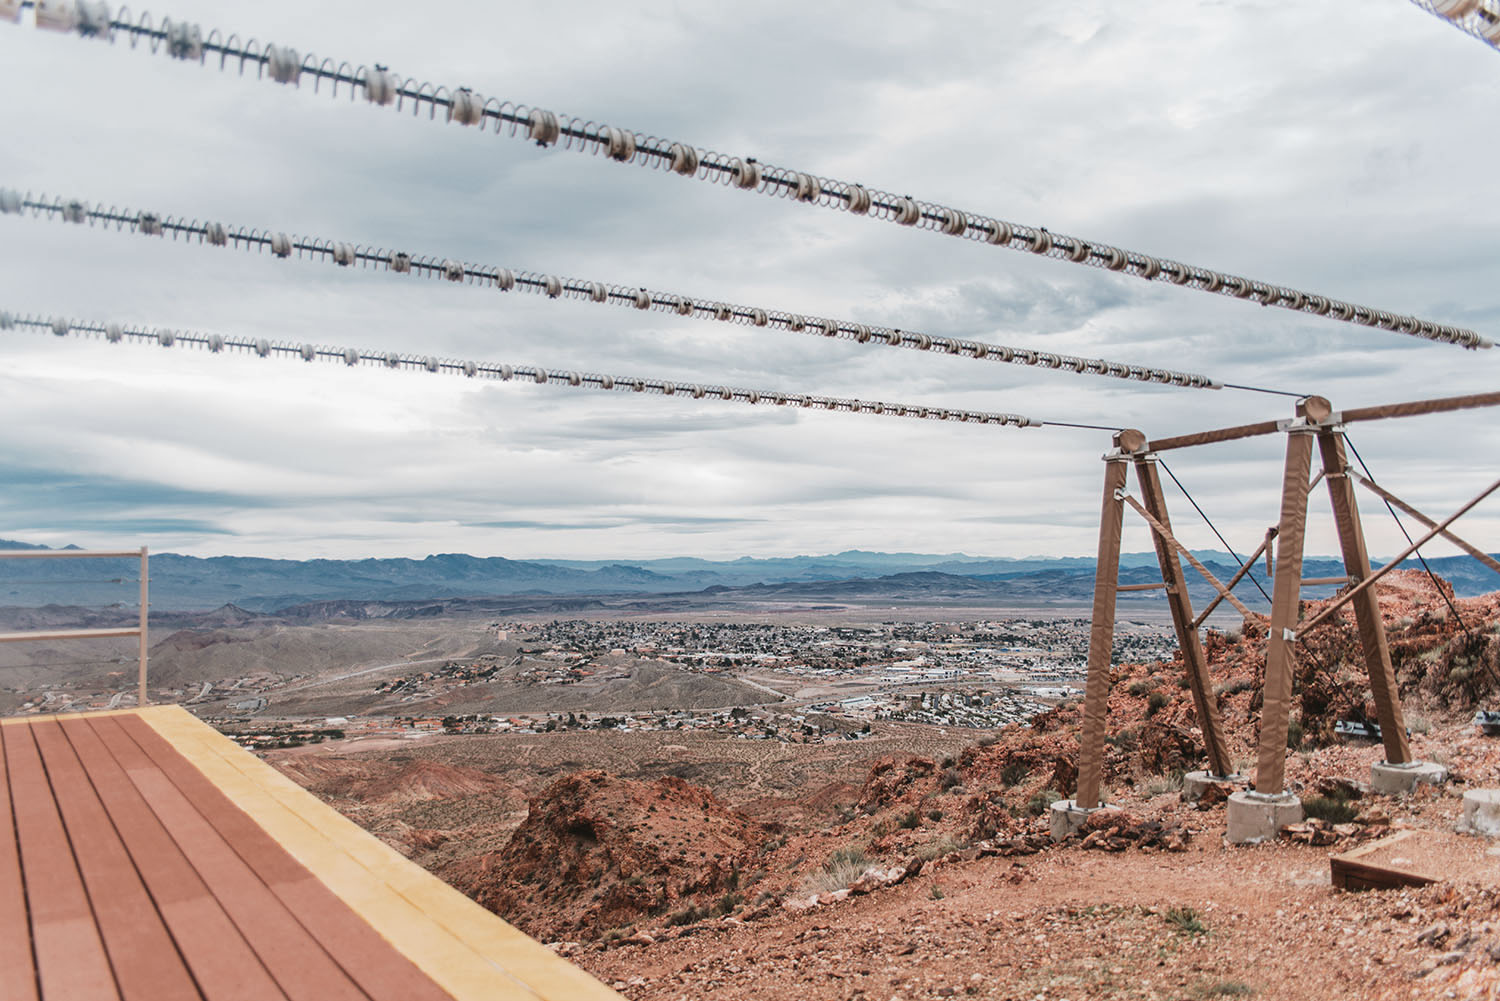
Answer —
1345 147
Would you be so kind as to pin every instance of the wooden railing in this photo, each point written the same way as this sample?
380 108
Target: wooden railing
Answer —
140 630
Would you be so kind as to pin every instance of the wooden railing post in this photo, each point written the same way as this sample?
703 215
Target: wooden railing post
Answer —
140 699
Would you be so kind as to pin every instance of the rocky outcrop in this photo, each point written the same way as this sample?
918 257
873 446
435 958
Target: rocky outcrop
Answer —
597 852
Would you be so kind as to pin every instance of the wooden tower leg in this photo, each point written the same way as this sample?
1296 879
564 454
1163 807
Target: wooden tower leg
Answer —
1193 660
1102 633
1366 603
1275 713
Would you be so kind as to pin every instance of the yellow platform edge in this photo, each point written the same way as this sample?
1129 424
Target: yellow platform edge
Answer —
467 950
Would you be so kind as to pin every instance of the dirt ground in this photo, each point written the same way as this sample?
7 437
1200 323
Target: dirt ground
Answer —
1213 921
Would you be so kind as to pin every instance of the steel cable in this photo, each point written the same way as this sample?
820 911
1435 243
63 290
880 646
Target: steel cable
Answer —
555 287
1478 18
1206 520
461 105
217 344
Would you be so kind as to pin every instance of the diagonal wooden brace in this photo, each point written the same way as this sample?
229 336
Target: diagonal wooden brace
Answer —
1235 580
1171 540
1369 581
1395 501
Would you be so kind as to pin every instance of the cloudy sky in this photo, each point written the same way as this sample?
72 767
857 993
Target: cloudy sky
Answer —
1345 147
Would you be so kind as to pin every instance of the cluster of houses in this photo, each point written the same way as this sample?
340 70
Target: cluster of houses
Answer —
1037 651
979 710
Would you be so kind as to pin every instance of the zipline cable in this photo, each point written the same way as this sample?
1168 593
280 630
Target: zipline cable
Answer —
216 343
1479 18
556 287
378 85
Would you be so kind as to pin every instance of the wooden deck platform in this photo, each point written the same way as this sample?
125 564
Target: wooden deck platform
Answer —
145 857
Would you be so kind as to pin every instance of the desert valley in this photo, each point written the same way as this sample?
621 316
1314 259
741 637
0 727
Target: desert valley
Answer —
851 800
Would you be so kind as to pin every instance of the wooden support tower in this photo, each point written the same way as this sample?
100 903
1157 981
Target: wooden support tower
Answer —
1315 423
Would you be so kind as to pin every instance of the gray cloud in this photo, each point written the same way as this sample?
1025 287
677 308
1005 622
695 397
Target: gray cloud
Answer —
1273 140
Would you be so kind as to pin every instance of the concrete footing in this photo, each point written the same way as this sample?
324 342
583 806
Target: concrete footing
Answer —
1481 813
1067 817
1402 780
1255 817
1195 783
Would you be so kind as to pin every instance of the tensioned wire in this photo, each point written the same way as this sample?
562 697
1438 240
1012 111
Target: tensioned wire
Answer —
186 41
555 287
1479 18
264 348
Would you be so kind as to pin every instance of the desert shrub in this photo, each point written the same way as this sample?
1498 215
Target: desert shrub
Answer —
689 915
951 777
1141 687
1155 703
937 849
1235 686
1014 773
1294 733
727 903
1418 724
910 820
1222 989
1126 740
934 815
988 740
616 934
936 893
1333 809
1041 801
1164 783
842 868
1185 920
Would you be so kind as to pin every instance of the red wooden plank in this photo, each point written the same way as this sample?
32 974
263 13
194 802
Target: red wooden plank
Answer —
224 966
296 961
19 981
375 965
145 959
69 953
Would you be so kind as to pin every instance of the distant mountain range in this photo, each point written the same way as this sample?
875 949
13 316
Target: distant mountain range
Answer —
263 585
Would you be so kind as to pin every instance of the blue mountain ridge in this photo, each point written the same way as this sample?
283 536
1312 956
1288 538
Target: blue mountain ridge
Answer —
261 584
